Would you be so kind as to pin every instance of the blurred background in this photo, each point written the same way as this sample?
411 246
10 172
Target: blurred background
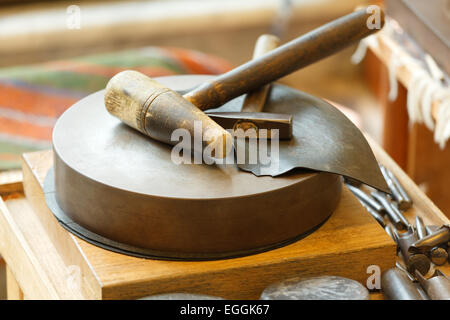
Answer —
53 53
65 50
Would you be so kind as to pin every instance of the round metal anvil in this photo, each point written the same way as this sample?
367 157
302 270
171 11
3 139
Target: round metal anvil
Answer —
119 189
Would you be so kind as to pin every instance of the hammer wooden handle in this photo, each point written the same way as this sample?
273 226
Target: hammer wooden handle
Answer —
254 101
298 53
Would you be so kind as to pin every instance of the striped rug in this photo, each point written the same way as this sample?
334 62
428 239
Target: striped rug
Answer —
32 97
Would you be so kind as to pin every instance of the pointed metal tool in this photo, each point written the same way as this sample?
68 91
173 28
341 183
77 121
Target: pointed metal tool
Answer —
396 217
437 238
371 205
420 228
433 244
399 194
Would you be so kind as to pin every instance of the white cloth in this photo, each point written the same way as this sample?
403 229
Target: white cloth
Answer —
423 89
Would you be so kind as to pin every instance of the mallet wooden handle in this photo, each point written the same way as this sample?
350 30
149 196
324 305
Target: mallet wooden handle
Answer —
254 101
282 61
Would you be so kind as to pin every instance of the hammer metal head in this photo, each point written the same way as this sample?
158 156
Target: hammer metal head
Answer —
256 121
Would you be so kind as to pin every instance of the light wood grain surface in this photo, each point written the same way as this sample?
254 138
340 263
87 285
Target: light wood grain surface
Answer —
336 248
21 260
11 181
13 291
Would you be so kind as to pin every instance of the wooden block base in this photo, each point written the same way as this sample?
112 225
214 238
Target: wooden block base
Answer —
345 245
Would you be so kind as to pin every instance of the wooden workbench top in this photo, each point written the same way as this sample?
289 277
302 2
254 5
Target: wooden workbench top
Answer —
49 262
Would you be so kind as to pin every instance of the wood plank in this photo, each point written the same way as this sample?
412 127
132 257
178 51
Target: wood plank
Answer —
374 296
11 181
62 240
19 257
2 279
66 279
336 248
13 291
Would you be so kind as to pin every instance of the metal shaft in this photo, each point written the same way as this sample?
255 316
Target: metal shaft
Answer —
392 186
406 202
420 227
399 214
393 216
378 217
391 233
432 229
254 101
361 195
432 240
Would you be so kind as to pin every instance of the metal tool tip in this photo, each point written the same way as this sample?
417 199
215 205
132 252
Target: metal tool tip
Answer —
438 256
418 262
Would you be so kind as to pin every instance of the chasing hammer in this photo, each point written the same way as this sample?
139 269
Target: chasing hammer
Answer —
298 53
251 116
157 111
254 101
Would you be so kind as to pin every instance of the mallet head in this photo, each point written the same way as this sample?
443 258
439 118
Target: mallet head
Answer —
157 111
